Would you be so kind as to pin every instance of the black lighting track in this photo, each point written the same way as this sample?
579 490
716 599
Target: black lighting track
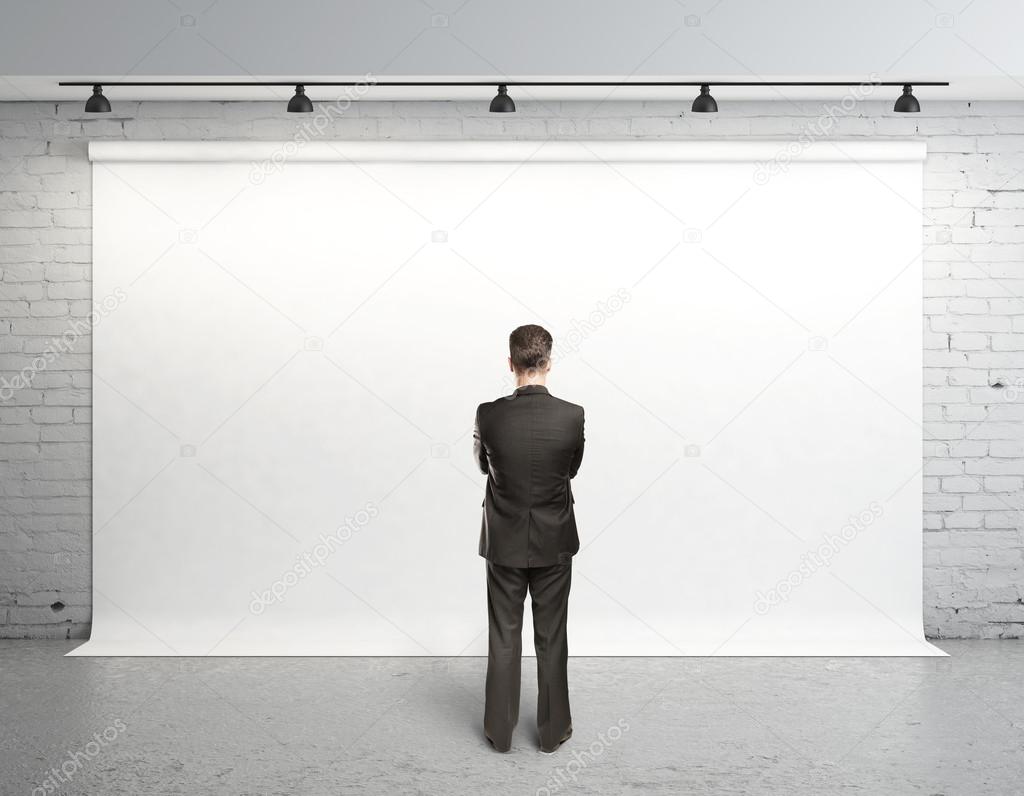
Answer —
502 102
494 82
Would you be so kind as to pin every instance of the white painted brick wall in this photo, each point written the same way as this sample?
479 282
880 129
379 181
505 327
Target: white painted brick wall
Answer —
974 319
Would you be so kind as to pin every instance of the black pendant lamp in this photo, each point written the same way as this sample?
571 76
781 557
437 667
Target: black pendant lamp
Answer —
907 102
502 102
97 103
300 103
705 103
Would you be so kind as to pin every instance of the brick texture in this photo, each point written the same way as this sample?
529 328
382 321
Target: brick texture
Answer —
973 388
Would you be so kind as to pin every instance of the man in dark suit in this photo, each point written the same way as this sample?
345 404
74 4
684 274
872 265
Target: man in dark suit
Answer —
529 444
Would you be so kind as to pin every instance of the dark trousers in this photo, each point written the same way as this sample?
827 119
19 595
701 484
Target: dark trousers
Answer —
549 593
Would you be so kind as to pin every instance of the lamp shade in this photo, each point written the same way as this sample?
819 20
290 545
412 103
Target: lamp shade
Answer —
502 102
907 102
705 103
300 103
97 103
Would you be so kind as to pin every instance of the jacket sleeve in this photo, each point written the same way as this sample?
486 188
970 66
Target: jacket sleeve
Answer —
577 458
479 452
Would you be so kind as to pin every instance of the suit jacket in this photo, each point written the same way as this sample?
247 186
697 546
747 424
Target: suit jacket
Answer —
529 444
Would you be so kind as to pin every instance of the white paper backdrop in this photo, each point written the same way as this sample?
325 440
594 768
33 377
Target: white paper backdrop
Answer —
294 337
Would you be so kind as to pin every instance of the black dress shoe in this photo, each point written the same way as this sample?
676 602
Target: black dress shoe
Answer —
568 735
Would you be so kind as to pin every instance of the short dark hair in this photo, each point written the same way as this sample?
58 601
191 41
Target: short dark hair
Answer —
529 347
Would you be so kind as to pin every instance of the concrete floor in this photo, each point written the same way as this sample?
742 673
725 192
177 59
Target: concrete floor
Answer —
413 725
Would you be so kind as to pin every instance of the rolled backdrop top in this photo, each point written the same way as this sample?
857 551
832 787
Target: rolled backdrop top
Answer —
504 151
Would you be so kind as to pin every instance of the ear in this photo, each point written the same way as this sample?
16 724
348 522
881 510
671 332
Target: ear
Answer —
512 369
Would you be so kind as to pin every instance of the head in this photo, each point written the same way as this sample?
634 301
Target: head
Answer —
529 354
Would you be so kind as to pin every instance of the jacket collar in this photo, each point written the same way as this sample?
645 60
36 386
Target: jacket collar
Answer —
532 389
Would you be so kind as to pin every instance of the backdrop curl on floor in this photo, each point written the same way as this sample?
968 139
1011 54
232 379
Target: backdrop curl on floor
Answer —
292 339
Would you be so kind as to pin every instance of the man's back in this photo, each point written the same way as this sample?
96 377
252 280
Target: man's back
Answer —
530 444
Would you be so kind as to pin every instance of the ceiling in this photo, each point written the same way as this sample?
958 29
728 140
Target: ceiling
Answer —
973 44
